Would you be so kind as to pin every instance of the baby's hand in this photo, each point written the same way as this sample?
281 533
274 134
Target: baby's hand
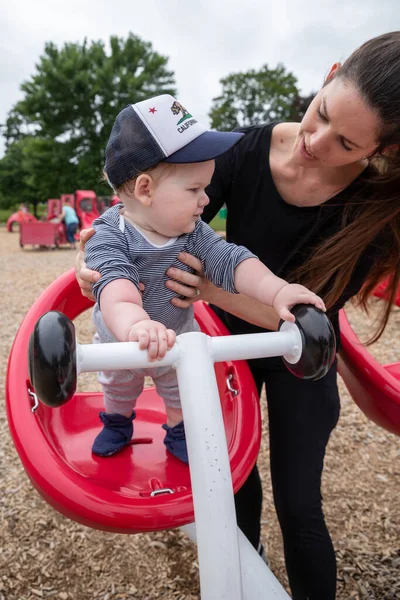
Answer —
292 294
154 336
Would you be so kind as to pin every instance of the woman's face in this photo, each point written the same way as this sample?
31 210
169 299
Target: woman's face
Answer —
338 129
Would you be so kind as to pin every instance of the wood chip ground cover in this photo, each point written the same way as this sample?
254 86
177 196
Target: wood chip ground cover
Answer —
44 555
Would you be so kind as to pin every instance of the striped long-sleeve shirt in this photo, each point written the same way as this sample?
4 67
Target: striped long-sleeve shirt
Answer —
120 251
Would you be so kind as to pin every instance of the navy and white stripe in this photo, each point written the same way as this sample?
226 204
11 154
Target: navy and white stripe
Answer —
124 253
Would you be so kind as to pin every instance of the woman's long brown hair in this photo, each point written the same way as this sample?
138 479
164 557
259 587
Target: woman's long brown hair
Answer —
372 214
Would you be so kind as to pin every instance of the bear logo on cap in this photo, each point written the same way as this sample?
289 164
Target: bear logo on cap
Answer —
177 108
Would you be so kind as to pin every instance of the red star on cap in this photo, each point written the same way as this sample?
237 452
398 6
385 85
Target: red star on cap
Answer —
152 110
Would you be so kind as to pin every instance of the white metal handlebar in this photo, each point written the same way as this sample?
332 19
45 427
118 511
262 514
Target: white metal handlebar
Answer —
126 355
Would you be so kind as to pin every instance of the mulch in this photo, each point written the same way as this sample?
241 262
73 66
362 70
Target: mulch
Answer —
45 555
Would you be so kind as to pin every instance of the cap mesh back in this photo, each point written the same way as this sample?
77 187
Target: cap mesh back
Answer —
131 148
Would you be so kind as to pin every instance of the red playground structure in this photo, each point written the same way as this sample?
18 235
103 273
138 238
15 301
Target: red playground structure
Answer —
86 207
21 216
142 490
85 203
374 387
51 233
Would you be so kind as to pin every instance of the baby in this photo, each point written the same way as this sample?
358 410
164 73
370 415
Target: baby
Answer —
159 160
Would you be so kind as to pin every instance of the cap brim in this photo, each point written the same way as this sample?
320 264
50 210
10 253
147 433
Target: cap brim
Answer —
207 146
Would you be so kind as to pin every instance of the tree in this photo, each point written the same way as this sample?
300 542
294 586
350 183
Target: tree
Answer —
32 170
13 177
300 105
68 109
255 97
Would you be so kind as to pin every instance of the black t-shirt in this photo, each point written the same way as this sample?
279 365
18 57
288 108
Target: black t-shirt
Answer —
282 235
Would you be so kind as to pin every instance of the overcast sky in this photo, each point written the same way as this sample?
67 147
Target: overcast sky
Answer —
205 40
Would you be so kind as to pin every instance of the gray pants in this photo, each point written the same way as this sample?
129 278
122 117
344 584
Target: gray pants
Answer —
121 389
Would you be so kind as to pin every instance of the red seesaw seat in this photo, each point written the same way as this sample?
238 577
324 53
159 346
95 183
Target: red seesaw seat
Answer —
142 488
374 387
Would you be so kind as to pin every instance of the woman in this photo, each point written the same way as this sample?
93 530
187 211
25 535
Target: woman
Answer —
318 202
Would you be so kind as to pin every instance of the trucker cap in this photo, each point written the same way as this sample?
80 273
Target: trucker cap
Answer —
157 130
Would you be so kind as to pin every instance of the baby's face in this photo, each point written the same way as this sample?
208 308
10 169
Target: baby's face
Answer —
179 198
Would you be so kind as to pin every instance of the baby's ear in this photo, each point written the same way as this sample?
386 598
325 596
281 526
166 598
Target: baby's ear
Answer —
143 189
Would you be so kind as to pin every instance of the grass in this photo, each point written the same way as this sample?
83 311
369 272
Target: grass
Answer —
4 214
218 223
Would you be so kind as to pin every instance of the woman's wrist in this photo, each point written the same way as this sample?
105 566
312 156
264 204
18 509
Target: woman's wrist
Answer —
246 308
213 294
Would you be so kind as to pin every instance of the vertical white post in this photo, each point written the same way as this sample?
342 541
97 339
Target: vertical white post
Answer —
214 508
258 581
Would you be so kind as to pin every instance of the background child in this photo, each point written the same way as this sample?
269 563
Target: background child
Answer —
70 220
159 160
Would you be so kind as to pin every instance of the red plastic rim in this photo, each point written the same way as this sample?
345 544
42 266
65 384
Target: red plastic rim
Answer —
374 387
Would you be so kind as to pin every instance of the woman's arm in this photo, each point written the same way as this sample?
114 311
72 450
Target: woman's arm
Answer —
246 308
85 277
239 305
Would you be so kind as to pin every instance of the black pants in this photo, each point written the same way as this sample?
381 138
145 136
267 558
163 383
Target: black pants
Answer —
302 415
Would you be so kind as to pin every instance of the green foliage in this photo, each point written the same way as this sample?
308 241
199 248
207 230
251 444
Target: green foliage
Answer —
4 214
255 97
299 107
34 169
56 135
218 223
14 186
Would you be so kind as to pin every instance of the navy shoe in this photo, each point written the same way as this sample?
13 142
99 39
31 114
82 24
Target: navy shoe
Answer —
175 441
115 435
